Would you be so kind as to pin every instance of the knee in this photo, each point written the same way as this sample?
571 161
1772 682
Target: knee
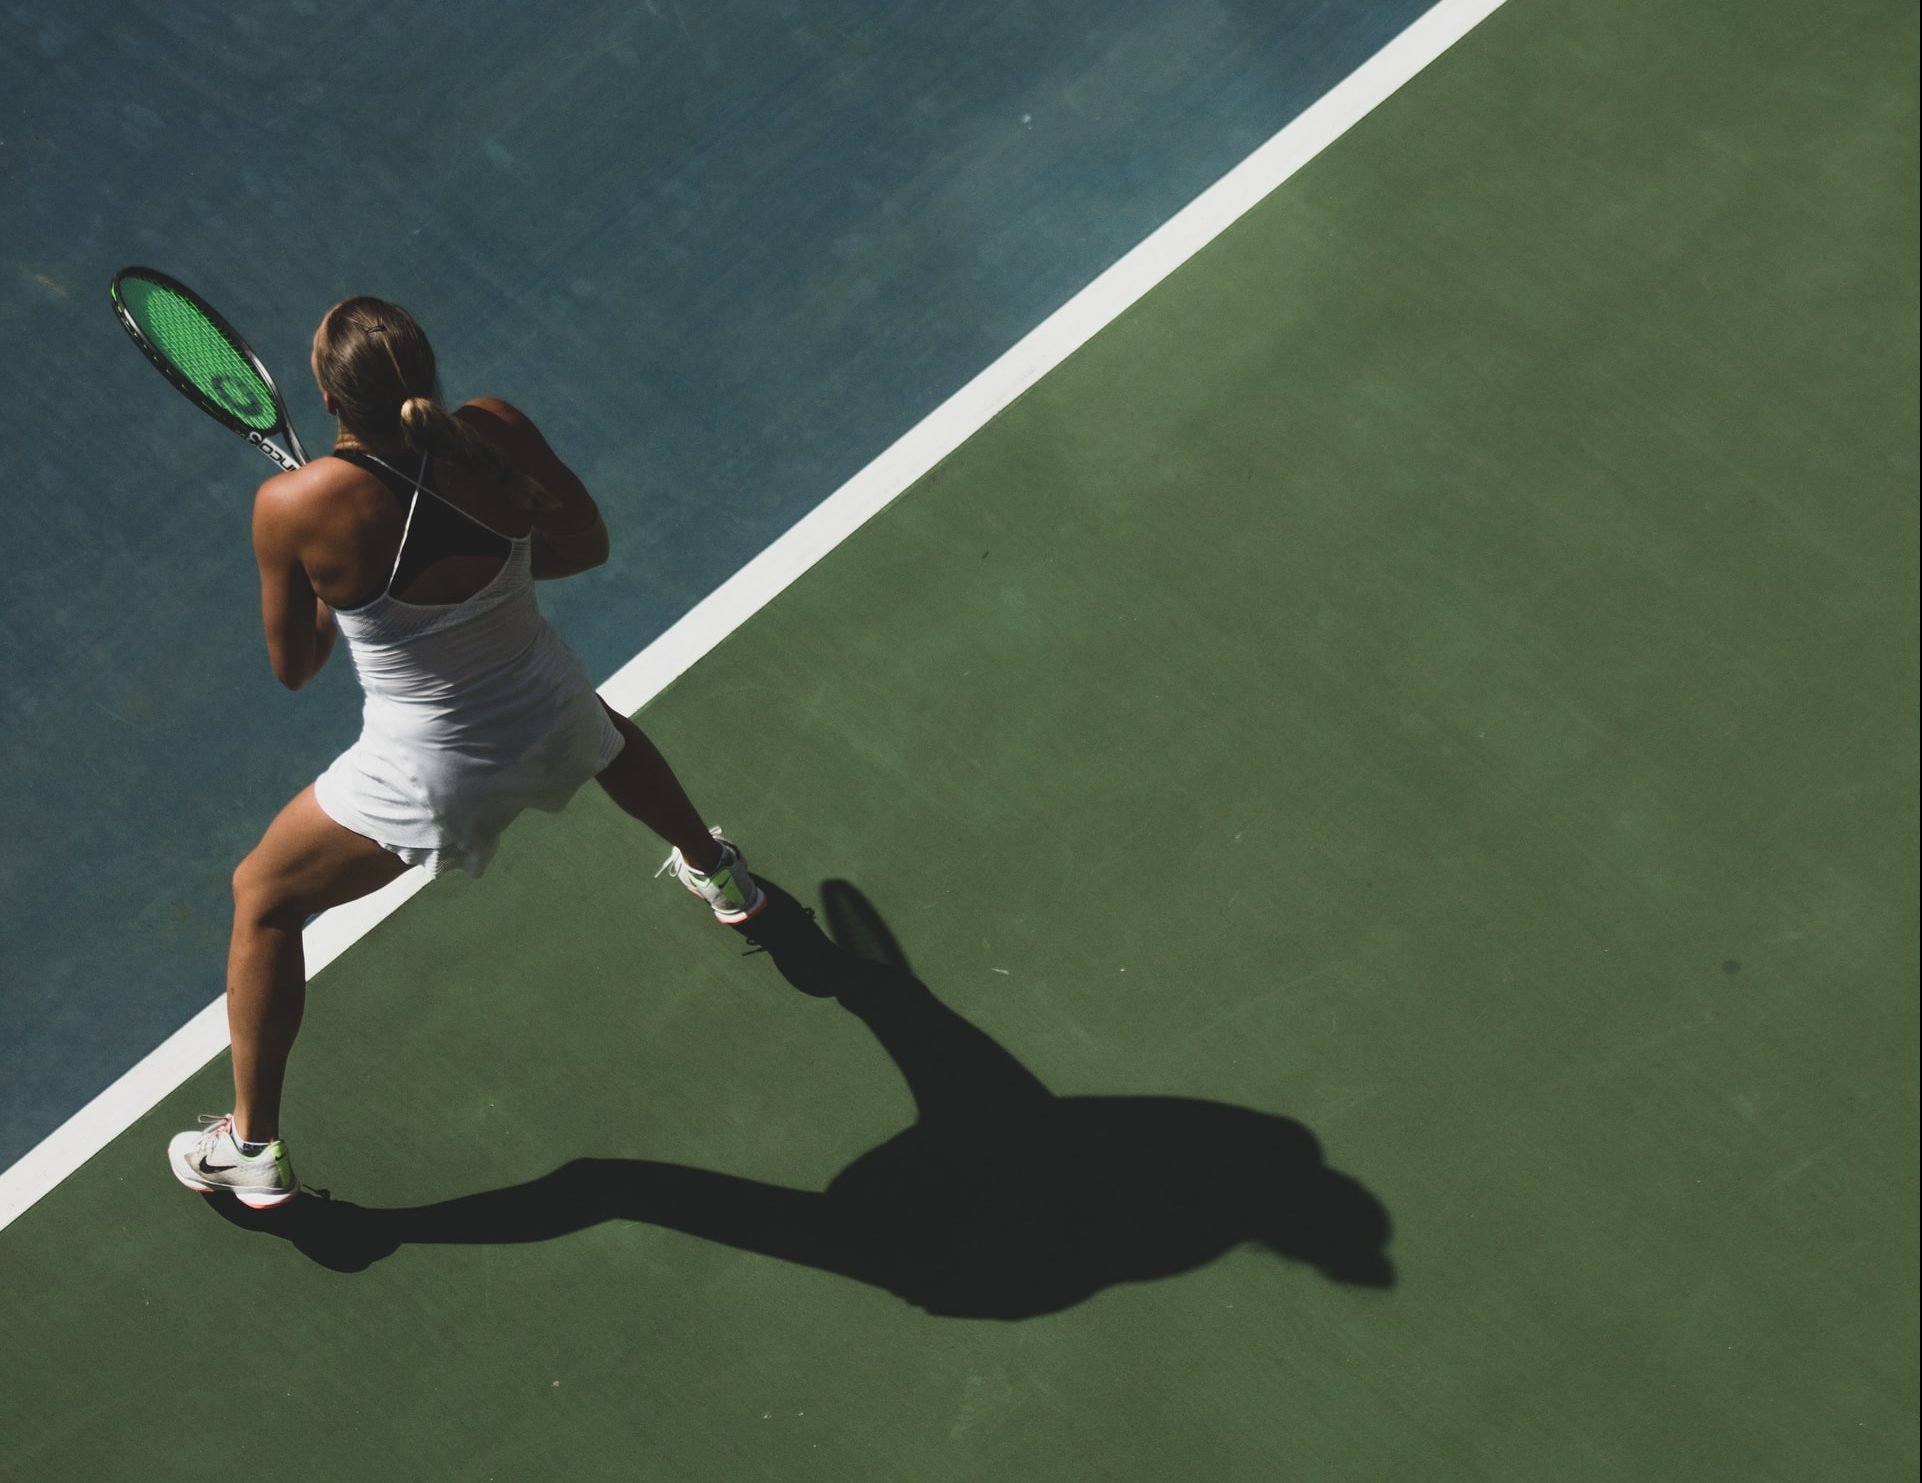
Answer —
261 897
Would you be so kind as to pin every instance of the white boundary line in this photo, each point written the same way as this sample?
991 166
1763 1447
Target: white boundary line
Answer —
851 506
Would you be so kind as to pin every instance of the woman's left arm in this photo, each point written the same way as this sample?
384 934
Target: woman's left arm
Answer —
299 626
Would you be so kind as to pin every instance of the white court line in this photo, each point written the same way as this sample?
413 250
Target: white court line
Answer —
851 506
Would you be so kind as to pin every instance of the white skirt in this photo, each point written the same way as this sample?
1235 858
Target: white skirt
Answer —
444 808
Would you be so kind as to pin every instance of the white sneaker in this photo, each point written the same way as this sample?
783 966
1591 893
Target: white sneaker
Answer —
207 1160
728 889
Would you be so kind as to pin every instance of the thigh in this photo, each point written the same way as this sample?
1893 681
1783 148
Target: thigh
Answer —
306 862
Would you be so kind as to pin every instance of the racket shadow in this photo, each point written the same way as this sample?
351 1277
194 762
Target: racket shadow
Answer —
1002 1200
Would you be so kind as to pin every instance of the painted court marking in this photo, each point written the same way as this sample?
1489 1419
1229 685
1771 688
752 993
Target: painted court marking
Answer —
850 507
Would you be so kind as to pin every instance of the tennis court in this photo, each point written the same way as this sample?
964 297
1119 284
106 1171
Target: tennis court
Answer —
1428 692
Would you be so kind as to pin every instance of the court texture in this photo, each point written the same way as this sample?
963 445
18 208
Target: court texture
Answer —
1311 609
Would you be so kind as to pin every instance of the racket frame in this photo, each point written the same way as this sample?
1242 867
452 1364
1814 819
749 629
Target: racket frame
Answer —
290 457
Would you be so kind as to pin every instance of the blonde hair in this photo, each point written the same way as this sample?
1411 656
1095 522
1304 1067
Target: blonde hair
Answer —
377 366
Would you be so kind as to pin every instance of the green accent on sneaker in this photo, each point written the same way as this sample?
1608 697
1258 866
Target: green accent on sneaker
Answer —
722 878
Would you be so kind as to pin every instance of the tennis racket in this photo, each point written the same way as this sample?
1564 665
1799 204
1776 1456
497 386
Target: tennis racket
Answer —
206 360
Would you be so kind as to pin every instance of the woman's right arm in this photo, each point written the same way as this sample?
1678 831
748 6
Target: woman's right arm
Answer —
299 626
569 539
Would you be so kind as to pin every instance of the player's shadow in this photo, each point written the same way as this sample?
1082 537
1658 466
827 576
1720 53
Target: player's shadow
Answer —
1001 1201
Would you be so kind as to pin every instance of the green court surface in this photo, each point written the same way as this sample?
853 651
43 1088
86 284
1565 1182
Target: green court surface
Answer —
1440 672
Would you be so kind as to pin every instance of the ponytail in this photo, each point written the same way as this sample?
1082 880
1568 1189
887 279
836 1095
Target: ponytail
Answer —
428 429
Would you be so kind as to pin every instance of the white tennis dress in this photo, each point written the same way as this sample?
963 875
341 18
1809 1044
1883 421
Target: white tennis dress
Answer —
473 712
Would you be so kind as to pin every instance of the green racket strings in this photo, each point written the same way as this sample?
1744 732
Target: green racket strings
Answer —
179 331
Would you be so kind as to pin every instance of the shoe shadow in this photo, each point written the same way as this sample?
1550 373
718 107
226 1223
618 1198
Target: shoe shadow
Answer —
1002 1200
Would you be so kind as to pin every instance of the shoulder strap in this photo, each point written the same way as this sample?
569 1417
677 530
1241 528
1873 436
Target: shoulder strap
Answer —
362 457
419 483
413 504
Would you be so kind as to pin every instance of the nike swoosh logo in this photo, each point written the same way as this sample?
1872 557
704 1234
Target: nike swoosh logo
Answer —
207 1168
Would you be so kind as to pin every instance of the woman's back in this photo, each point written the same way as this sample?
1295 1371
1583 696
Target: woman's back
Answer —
367 532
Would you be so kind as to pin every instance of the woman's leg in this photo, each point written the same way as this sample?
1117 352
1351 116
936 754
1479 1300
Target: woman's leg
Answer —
304 863
642 783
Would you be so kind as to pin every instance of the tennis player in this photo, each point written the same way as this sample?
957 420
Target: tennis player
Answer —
418 543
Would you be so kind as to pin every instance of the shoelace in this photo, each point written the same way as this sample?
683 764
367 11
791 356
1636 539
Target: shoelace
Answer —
213 1125
675 863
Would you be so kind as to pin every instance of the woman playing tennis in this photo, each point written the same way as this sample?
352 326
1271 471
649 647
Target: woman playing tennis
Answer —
418 542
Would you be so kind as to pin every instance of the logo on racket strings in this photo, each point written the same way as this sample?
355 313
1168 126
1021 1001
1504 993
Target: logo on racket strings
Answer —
241 401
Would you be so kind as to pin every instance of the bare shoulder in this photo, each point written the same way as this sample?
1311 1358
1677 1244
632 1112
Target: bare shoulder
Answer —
496 407
291 506
504 424
513 432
